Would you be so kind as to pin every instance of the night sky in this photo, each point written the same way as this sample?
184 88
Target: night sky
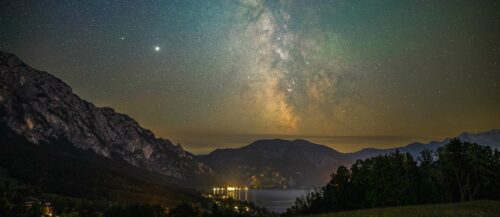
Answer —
211 74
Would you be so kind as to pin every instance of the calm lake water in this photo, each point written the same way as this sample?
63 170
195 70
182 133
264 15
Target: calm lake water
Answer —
276 200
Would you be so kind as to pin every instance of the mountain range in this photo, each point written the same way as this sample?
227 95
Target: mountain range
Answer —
52 138
279 163
489 138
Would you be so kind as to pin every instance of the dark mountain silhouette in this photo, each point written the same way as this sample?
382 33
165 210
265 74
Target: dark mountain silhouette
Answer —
489 138
49 127
276 163
299 163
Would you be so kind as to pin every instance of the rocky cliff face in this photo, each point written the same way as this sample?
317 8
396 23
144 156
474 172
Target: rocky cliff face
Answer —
43 109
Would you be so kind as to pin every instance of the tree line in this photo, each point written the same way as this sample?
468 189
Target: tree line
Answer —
458 171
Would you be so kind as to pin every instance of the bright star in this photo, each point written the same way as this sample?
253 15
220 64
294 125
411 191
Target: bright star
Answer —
157 48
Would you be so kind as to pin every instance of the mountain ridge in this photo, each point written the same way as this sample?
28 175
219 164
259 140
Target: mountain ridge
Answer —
43 109
274 163
488 138
304 165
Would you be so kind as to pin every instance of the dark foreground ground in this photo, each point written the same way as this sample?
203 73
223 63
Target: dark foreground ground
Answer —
483 208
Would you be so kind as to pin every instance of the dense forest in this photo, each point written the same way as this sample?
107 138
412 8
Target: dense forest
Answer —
458 171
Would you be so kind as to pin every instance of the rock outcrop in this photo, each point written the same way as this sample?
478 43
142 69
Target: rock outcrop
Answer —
43 109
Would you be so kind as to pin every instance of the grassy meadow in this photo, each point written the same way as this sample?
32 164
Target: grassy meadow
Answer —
483 208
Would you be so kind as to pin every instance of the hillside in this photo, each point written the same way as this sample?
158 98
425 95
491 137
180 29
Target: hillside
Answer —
53 139
275 163
65 170
467 209
42 109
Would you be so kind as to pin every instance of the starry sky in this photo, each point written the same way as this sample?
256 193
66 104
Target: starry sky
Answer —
213 74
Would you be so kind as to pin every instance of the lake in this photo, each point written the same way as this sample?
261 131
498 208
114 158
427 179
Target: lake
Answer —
275 200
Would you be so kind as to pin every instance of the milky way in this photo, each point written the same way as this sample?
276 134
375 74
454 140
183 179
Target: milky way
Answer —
288 77
208 74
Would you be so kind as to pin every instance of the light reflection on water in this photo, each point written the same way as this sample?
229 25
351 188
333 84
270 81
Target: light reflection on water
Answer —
275 200
231 192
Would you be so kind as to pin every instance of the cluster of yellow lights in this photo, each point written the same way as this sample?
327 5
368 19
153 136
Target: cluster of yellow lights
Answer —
230 188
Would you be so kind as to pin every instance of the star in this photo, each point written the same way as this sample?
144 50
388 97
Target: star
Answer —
157 48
